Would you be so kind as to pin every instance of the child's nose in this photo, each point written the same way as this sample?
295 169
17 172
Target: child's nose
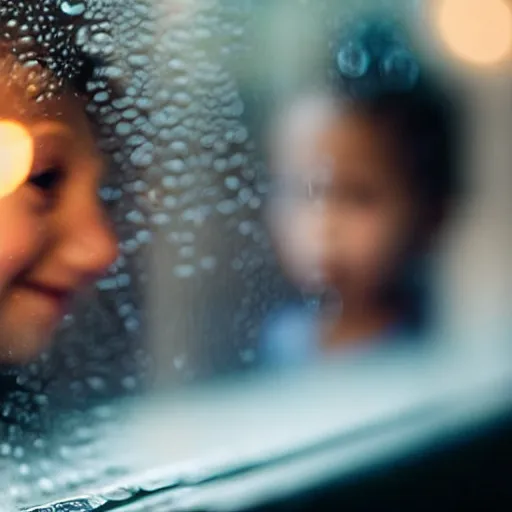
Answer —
90 246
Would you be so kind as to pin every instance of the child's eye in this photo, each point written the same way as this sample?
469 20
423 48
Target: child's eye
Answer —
47 180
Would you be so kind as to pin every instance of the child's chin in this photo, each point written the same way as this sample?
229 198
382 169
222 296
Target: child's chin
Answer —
23 345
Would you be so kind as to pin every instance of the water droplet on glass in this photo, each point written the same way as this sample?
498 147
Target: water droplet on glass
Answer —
208 262
160 219
170 202
72 8
132 324
400 68
227 207
179 361
176 165
96 383
353 60
220 164
179 148
184 271
123 129
143 155
46 485
144 236
182 99
247 355
232 182
129 383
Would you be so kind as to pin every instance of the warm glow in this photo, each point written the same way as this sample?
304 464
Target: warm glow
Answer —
16 155
479 31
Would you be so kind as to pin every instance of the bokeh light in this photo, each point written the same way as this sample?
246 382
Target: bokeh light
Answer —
16 155
478 31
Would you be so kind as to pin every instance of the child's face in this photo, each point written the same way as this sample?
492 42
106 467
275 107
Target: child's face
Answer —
54 237
342 215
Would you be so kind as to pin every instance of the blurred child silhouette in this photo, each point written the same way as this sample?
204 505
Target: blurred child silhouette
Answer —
363 177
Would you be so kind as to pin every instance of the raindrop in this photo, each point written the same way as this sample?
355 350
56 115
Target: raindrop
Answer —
72 7
24 469
140 186
237 264
245 228
186 252
135 216
232 183
245 195
170 202
143 155
247 355
400 68
179 148
220 165
208 262
170 182
353 60
144 236
254 203
184 271
129 383
182 99
131 324
96 383
130 114
112 72
177 65
123 280
207 141
125 309
236 160
176 166
123 129
160 219
187 180
220 147
241 135
101 97
179 361
182 81
106 284
129 246
227 207
102 38
46 485
138 60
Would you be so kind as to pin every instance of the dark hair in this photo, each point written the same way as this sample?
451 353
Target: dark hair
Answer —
376 71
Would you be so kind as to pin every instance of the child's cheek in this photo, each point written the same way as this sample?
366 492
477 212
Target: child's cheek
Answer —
369 247
21 240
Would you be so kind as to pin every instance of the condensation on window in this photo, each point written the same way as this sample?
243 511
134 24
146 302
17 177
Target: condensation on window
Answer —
184 299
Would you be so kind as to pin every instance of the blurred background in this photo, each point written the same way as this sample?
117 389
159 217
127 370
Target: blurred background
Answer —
199 280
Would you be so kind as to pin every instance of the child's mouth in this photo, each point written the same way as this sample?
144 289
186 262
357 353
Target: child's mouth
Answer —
57 298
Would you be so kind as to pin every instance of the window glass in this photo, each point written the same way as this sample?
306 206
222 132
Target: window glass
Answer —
216 194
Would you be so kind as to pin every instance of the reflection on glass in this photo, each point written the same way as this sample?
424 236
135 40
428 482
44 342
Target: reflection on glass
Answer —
55 239
364 178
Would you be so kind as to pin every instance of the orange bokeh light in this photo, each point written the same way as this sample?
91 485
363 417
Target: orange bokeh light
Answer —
478 31
16 156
